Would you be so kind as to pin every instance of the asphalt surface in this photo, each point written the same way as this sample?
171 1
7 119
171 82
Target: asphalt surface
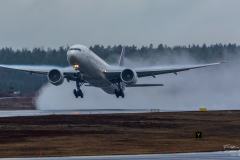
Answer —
231 155
10 113
14 113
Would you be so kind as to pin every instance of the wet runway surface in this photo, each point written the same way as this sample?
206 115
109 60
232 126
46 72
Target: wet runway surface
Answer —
13 113
9 113
232 155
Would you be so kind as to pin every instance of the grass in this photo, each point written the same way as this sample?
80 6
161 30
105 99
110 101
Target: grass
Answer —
104 134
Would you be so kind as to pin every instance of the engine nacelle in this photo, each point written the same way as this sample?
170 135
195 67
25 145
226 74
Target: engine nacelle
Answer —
129 76
55 77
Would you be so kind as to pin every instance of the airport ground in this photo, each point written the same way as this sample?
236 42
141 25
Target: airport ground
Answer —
17 102
114 134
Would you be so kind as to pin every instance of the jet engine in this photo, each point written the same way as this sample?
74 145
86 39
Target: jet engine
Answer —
55 77
129 76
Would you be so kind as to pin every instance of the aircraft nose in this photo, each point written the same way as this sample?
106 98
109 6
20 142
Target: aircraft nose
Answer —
71 56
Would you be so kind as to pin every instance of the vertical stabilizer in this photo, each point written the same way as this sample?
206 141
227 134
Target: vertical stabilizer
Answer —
120 64
121 59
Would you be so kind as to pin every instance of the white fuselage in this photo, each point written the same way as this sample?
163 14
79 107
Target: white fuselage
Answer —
91 67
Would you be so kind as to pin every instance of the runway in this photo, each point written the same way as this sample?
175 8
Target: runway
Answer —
232 155
13 113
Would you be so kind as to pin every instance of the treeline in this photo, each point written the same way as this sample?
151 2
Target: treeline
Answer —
40 56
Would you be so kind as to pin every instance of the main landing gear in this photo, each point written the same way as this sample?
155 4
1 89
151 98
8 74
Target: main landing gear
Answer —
78 92
119 92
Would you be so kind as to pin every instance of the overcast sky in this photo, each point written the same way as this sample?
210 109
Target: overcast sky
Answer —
55 23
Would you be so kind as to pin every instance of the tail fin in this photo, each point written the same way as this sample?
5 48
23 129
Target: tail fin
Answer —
121 59
121 63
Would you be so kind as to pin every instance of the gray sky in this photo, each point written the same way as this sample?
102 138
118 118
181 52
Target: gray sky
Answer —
54 23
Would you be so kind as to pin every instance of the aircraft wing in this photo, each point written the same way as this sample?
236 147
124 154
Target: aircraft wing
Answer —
144 72
153 72
110 74
39 69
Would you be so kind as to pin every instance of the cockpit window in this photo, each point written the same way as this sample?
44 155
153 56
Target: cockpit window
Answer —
78 49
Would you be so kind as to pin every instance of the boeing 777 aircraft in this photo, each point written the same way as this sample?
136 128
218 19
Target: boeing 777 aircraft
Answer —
89 69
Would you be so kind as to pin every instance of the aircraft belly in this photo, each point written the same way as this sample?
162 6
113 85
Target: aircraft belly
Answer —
93 73
111 89
86 68
102 83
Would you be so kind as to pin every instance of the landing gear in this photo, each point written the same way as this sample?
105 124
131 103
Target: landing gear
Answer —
78 92
119 92
116 93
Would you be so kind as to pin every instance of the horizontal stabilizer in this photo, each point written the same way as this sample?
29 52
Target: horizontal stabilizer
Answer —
135 85
144 85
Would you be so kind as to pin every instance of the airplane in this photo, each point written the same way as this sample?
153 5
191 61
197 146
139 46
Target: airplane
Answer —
91 70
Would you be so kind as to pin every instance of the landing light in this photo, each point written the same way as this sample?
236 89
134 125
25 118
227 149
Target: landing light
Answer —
75 66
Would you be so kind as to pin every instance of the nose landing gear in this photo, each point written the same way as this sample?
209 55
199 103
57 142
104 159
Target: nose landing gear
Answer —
78 92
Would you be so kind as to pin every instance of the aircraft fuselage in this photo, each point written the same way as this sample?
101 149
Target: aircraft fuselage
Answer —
91 67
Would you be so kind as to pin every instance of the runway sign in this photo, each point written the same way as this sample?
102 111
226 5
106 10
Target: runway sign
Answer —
202 109
198 135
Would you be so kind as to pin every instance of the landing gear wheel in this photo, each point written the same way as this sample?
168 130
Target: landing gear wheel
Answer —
75 93
116 93
121 93
80 93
